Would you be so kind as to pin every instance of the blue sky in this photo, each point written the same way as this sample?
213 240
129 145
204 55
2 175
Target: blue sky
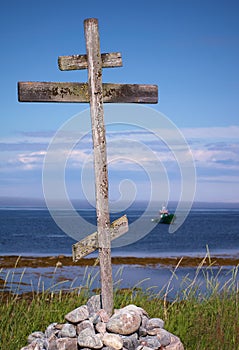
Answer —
189 48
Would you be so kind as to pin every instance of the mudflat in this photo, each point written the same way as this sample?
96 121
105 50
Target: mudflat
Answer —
62 260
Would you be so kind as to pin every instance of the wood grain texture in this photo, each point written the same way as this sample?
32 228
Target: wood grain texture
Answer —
90 243
52 92
75 62
100 160
79 92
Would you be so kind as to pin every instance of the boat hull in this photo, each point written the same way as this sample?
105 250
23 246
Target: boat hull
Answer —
166 219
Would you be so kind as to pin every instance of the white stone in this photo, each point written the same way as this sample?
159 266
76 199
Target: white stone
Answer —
79 314
88 339
126 321
113 341
175 344
35 335
68 330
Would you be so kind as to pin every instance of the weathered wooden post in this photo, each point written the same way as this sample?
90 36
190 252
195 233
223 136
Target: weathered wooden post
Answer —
100 160
95 93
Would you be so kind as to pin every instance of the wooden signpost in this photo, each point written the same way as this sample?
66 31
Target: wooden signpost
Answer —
96 94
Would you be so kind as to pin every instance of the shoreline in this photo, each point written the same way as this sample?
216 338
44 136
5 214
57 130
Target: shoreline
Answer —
14 261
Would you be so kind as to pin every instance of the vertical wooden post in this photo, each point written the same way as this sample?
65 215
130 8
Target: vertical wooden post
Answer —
100 160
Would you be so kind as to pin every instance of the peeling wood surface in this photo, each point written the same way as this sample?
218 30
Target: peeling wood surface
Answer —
100 160
52 92
74 62
90 243
78 92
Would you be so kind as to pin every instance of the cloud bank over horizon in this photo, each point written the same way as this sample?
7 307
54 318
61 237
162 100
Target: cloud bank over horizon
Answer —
215 151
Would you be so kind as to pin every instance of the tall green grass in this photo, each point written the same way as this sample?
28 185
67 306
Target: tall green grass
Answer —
203 320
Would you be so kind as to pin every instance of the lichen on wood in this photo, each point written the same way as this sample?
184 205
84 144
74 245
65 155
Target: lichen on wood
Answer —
74 62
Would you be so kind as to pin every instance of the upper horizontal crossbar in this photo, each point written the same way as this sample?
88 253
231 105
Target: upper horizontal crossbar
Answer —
74 62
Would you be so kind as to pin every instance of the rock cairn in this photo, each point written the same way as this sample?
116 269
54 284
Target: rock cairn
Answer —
89 327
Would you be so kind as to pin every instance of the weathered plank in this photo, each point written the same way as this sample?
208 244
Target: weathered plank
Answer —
52 92
78 92
100 160
74 62
90 243
130 93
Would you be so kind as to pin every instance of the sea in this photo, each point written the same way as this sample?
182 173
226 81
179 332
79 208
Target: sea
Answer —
212 230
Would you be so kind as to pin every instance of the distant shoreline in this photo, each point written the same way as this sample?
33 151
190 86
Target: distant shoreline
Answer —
40 204
62 260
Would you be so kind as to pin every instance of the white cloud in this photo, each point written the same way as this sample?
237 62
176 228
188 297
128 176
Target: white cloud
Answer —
226 132
215 151
220 179
31 160
216 158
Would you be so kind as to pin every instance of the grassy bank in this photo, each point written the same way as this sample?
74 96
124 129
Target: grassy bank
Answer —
208 320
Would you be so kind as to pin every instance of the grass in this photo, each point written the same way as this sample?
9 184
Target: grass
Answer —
207 319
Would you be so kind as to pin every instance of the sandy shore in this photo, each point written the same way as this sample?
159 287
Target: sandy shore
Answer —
61 260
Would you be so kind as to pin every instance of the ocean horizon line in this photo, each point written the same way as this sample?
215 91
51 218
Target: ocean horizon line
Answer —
40 204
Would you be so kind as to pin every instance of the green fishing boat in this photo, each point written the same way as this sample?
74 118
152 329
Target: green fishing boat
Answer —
164 217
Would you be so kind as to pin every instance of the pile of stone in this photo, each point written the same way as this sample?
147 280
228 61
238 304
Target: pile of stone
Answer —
89 327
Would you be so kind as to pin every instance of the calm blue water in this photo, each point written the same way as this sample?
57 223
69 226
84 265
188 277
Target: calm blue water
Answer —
34 232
